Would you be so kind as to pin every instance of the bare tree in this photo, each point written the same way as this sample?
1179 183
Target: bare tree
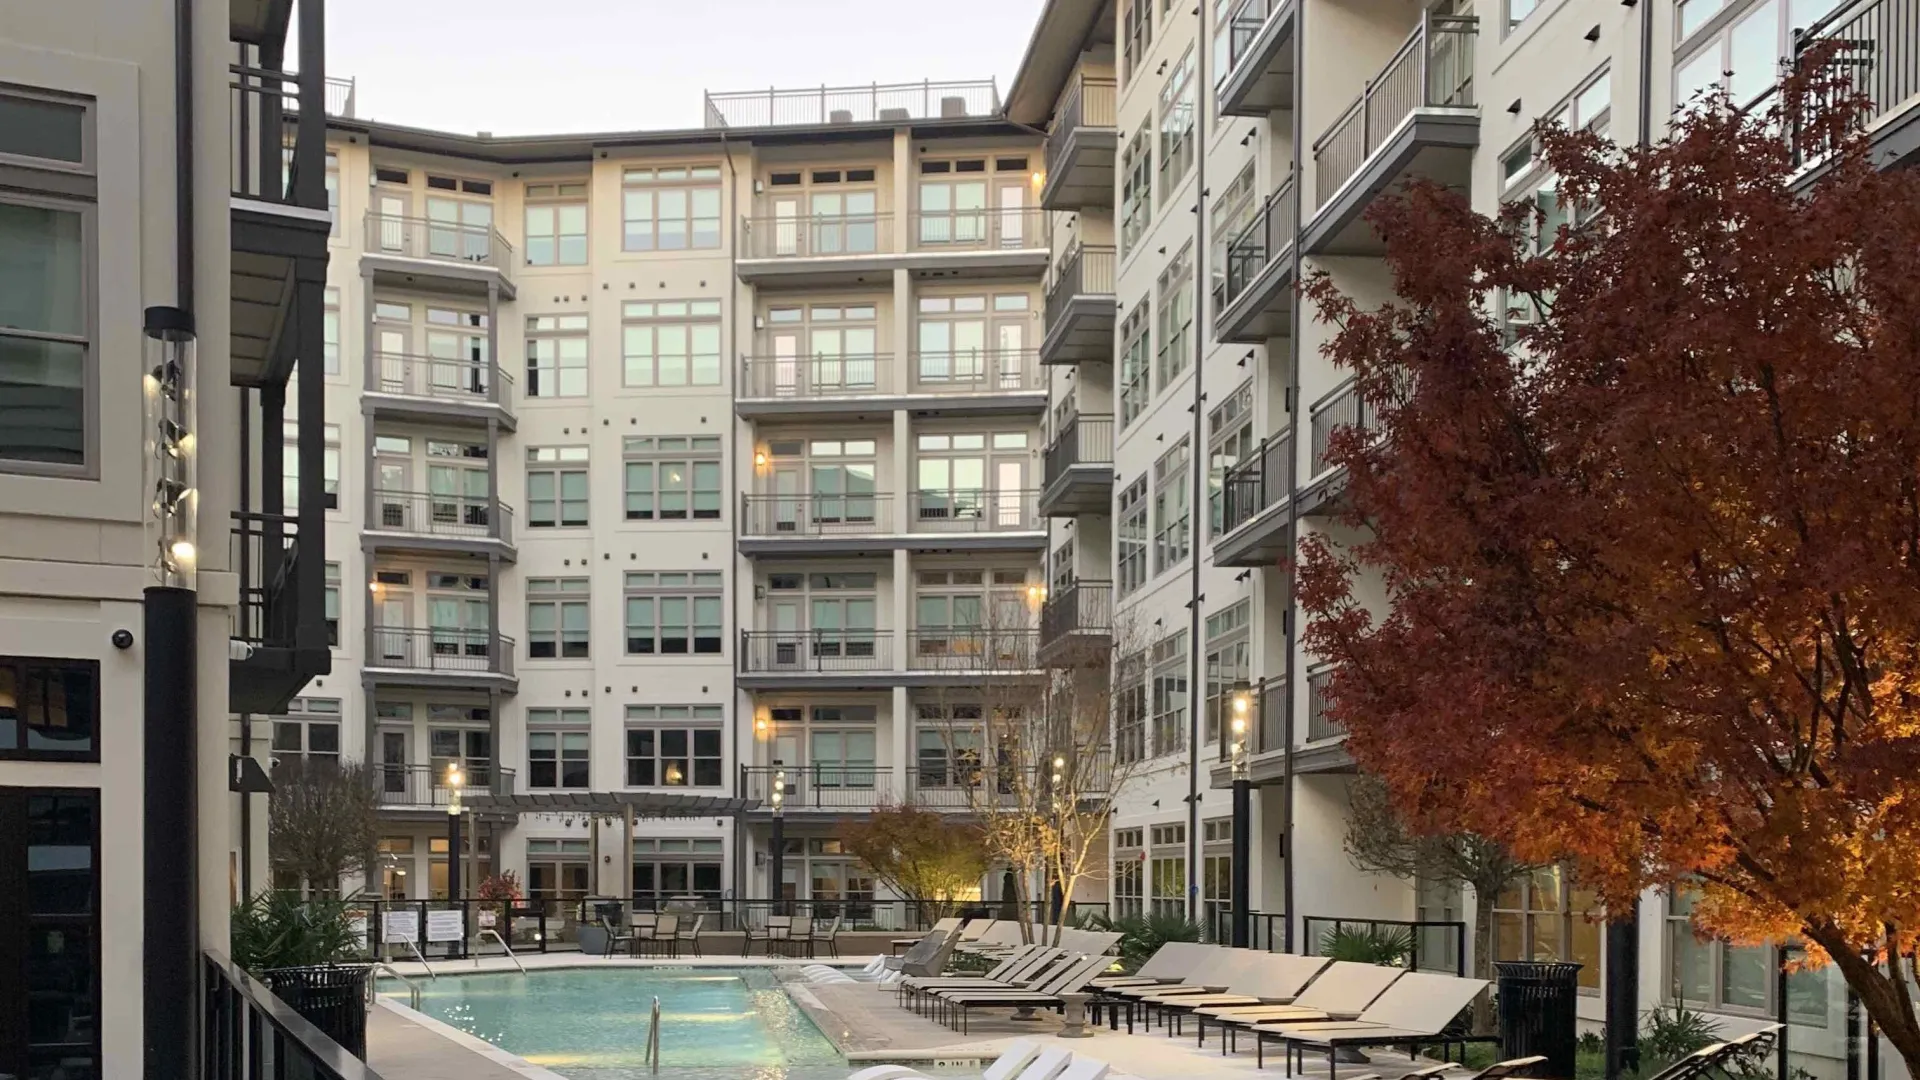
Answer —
323 820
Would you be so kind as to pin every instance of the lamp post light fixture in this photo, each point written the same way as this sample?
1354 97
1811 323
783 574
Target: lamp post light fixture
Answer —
455 781
1240 727
778 860
171 450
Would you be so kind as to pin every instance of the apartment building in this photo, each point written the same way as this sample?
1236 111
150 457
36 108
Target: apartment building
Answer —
665 470
1240 143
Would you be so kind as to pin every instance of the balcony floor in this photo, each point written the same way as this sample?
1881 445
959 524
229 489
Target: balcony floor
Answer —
811 271
436 275
1264 309
412 409
373 676
924 542
1258 541
1083 332
1085 489
1262 81
383 541
1436 143
1085 176
984 403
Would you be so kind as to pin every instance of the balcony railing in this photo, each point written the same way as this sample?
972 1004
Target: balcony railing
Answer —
1242 27
813 236
971 649
426 785
1257 483
473 517
1320 725
976 371
1265 238
414 375
341 97
816 515
1089 103
873 103
1084 607
992 228
265 165
818 787
1085 270
1343 407
1085 439
473 652
1879 51
267 555
772 652
798 377
441 241
1266 728
248 1033
975 510
966 783
1433 69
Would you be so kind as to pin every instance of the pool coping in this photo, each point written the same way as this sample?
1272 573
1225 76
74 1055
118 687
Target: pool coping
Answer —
503 1058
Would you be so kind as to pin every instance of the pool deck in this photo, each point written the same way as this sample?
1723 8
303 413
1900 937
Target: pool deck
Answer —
404 1045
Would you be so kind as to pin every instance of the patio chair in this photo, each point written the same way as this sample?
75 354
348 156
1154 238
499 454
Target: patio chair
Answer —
765 934
617 934
1072 979
1415 1009
945 926
933 961
664 939
689 935
829 940
1169 964
1499 1070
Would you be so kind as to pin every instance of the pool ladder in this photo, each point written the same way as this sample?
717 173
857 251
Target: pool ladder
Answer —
413 988
653 1038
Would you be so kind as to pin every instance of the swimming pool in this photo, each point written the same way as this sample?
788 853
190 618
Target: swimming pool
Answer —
588 1024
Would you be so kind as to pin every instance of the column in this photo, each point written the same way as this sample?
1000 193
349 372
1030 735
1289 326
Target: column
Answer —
905 366
904 724
903 188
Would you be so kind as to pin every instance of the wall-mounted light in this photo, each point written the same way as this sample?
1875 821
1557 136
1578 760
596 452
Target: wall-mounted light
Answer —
1036 594
171 451
1039 179
759 459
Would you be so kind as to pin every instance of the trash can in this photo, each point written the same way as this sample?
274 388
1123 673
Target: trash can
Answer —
333 997
1537 1012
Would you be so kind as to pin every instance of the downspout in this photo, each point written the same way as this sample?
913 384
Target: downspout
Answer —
1646 73
1196 459
183 149
1290 615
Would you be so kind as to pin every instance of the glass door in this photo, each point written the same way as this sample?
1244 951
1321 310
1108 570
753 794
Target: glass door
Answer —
391 341
789 503
393 220
828 209
786 366
1009 355
1010 218
392 620
786 225
393 762
1010 478
788 634
843 759
458 497
393 473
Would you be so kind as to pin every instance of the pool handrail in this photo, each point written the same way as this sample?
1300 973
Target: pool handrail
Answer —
413 988
495 934
653 1037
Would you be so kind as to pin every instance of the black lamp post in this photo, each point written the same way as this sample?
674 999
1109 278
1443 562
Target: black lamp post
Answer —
777 861
1242 898
454 783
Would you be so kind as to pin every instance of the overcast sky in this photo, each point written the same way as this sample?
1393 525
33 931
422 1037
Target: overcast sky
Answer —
515 67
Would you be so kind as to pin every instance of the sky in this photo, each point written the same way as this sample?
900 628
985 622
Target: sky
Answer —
517 67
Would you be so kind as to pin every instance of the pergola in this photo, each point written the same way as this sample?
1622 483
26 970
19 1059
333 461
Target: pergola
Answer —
627 805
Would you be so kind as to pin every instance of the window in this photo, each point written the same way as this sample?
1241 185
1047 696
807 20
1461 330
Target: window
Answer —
556 356
673 867
333 604
1175 319
672 477
674 746
1232 212
1546 917
958 475
309 732
49 708
672 208
1176 126
330 332
50 928
1127 877
1719 975
1588 108
822 616
840 207
1136 387
1168 694
1216 873
1229 442
333 193
329 466
556 486
558 869
557 748
971 340
1743 54
1063 574
670 342
1131 564
1228 661
1518 10
1172 508
1136 187
1130 709
557 224
674 613
1138 35
47 284
1167 870
460 228
557 618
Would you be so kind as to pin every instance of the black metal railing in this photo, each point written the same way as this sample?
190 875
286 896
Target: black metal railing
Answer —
770 652
966 783
976 371
424 513
1320 722
1245 24
267 555
264 165
809 236
1432 69
1257 483
987 228
1436 945
963 648
819 787
454 651
1342 407
1083 607
785 377
248 1033
1878 51
414 375
426 785
1085 270
1087 104
444 241
1266 727
975 510
1085 439
1269 236
816 515
1266 930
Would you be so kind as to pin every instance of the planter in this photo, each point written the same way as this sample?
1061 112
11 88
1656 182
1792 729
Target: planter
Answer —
333 997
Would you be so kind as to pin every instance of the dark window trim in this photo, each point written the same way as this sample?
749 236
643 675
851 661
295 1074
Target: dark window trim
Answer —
21 752
15 922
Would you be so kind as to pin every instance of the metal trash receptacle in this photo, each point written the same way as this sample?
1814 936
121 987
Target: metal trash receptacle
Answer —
1538 1013
333 997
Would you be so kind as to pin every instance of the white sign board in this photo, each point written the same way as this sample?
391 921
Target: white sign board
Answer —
446 925
400 926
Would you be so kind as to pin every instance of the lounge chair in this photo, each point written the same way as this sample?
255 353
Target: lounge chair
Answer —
972 930
1170 963
1017 1056
1499 1070
1022 972
926 959
1275 978
1342 990
1209 976
1415 1009
945 926
1072 979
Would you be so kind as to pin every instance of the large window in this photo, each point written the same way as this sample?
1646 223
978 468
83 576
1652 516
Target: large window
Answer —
1127 876
670 342
1172 507
1136 187
557 224
1706 973
1216 873
309 732
672 867
1741 53
1167 869
290 465
460 228
558 870
1137 21
47 241
1176 127
1232 212
556 486
674 746
672 477
1175 319
49 708
1131 563
332 605
1136 373
1169 694
674 613
50 930
1546 917
1228 661
557 748
556 356
558 618
1229 442
330 331
672 208
1130 709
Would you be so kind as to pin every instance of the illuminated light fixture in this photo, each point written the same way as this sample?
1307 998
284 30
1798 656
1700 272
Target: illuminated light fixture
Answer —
170 461
759 459
1242 699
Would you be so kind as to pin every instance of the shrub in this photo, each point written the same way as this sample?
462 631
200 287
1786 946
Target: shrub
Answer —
279 929
1387 946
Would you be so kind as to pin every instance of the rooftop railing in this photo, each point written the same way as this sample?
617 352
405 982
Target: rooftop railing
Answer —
873 103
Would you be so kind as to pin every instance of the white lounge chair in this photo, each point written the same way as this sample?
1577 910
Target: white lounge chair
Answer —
1414 1009
1170 963
1017 1056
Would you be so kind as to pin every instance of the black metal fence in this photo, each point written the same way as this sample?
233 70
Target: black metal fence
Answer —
1435 944
247 1033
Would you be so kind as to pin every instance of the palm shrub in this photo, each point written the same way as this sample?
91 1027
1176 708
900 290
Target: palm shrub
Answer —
278 929
1142 935
1384 945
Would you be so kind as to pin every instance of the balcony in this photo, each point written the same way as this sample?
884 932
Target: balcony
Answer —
1076 624
817 788
281 617
1341 407
815 652
969 519
1253 300
279 217
1320 724
1418 117
437 659
968 785
971 382
435 523
895 103
424 787
1080 307
1261 43
1082 145
972 650
1880 51
1253 497
840 249
1078 467
413 252
1266 734
434 390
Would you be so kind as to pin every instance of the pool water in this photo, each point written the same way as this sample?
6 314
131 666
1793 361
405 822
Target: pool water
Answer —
586 1024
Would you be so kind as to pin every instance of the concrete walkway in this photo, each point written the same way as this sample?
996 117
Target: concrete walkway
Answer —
401 1047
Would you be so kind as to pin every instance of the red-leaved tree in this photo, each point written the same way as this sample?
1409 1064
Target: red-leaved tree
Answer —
1652 570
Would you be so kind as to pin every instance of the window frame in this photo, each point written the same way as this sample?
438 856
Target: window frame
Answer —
697 719
700 450
1131 539
559 462
20 666
19 920
700 585
555 330
1173 506
554 203
562 594
559 724
1166 681
1136 364
696 314
1675 922
1177 103
646 179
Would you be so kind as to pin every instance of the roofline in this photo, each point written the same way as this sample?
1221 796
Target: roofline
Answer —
1059 20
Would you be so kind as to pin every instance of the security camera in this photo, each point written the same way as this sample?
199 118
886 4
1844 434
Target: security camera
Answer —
122 639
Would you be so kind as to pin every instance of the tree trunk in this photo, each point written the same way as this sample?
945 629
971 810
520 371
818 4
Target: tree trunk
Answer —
1886 1001
1483 1018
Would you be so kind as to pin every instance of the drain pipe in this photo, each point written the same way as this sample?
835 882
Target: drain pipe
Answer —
1197 483
1290 617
